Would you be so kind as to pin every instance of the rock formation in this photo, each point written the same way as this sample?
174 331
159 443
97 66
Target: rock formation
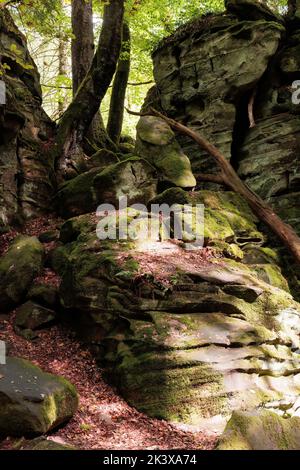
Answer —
33 402
26 173
260 431
206 74
186 336
223 334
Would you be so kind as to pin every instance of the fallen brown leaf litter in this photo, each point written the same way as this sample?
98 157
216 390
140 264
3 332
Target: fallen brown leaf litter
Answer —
104 420
31 228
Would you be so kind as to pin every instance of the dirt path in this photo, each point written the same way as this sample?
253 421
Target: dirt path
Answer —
104 420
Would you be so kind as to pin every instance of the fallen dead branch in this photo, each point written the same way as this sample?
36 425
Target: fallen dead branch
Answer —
230 178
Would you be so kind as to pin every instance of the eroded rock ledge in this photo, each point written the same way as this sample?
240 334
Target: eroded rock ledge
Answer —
220 331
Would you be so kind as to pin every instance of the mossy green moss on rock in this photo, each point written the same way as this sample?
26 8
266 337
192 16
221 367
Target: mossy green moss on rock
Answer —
42 443
77 195
251 10
102 159
33 402
263 430
18 268
156 143
44 294
133 178
216 339
33 316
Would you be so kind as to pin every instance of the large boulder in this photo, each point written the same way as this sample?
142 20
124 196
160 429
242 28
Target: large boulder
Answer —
18 268
42 443
156 143
186 338
251 10
26 173
205 73
32 316
211 73
133 178
262 430
33 402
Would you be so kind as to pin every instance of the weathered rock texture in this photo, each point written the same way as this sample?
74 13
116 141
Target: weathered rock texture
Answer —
205 76
32 401
222 335
260 431
25 129
18 268
133 178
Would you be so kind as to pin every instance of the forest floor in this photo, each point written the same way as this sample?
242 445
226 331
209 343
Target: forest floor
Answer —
103 420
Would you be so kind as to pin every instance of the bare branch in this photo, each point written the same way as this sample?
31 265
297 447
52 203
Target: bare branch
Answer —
218 179
263 211
251 108
9 2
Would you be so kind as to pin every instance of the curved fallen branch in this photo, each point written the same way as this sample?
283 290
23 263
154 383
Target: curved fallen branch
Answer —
251 108
263 211
205 177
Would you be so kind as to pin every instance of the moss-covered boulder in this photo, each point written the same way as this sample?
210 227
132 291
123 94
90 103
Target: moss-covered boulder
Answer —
156 143
18 268
206 71
44 294
102 159
185 338
41 443
26 171
33 402
251 10
227 217
33 316
133 178
263 430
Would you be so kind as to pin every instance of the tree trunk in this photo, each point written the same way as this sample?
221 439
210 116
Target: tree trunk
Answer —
117 102
83 50
62 71
78 117
292 7
263 211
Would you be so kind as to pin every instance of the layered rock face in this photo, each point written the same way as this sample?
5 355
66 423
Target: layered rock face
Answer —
25 173
206 75
269 156
221 334
204 70
260 431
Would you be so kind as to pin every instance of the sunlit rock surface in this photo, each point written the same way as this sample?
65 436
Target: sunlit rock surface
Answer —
186 336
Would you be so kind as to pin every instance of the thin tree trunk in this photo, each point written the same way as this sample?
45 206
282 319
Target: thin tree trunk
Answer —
83 50
293 5
78 117
62 71
263 211
116 110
